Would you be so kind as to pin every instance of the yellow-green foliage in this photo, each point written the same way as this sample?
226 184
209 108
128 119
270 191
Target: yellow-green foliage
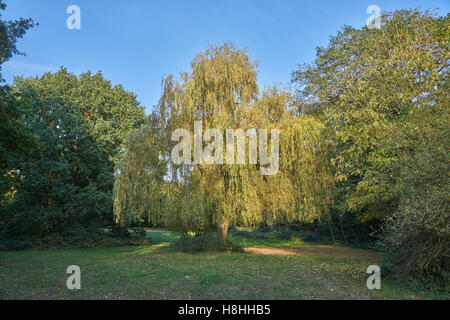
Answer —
139 189
221 91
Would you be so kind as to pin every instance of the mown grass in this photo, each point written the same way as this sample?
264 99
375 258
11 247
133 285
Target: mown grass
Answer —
159 272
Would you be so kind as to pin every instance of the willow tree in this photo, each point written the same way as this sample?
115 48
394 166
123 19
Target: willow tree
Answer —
220 87
301 190
221 93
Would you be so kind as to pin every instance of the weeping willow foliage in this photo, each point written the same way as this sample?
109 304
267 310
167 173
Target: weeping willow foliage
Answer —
140 192
221 91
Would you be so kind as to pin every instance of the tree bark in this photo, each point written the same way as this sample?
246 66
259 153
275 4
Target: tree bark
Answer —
331 228
342 229
222 230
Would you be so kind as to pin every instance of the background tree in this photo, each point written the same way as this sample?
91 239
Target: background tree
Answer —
64 181
417 235
110 112
15 138
383 96
367 81
10 32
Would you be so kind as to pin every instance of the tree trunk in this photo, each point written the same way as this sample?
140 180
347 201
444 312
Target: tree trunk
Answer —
222 230
331 228
332 233
342 230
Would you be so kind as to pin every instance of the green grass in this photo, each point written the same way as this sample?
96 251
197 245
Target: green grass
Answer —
273 243
158 272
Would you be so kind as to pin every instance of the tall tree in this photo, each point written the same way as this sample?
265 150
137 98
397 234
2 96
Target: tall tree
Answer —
15 137
110 111
10 33
65 180
108 114
220 87
221 93
366 82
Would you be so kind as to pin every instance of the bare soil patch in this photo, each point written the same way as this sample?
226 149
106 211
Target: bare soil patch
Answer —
320 251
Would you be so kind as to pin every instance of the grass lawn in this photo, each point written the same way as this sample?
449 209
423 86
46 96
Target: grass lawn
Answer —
270 269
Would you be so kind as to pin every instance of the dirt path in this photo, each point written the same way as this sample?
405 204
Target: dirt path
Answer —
320 251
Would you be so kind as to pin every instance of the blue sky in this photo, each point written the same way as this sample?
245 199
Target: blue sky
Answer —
138 42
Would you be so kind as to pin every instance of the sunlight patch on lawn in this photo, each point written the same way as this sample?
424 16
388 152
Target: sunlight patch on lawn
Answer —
159 248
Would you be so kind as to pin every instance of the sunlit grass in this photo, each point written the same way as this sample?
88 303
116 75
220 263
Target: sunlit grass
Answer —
273 243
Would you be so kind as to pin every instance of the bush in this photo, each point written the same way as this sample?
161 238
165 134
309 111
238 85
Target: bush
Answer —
309 236
416 241
265 228
120 232
254 234
206 242
140 232
296 227
75 237
287 235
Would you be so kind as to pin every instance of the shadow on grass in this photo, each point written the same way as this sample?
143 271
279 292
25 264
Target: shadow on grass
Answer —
159 237
273 243
161 248
161 243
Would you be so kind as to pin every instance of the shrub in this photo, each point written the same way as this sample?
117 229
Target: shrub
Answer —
120 232
265 228
271 233
140 232
206 242
287 235
416 240
296 227
309 236
254 234
75 237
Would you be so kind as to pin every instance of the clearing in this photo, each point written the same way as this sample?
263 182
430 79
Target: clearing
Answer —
269 269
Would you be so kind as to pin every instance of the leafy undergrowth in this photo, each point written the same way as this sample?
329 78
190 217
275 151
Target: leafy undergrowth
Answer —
77 237
159 272
207 242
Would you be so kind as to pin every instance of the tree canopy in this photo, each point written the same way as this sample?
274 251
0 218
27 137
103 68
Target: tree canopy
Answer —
10 33
366 83
221 92
110 111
